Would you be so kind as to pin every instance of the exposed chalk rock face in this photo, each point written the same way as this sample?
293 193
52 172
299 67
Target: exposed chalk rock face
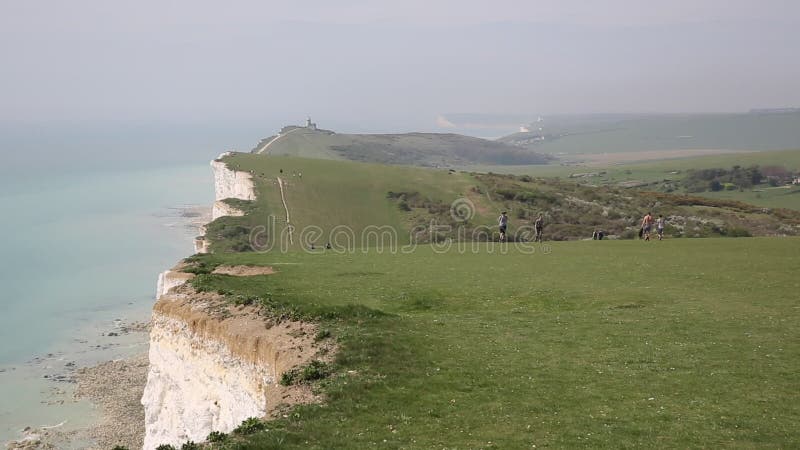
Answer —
221 208
201 245
213 365
169 279
196 385
231 183
227 184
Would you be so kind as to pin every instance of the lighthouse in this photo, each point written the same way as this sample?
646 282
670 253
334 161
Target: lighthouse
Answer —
309 124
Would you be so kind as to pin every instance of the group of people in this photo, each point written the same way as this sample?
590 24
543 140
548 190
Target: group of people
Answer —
538 226
644 232
647 226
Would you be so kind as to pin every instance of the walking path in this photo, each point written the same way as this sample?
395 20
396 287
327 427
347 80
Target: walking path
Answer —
275 139
286 207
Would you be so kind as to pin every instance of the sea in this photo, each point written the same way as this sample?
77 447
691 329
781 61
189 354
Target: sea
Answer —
87 224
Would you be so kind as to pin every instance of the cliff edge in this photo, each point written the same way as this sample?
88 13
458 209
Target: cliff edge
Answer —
213 364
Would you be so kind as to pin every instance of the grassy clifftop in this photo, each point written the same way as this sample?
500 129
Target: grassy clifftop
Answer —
680 343
421 149
674 344
341 201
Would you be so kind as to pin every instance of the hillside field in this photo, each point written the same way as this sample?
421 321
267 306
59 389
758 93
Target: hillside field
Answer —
683 343
418 149
333 201
658 171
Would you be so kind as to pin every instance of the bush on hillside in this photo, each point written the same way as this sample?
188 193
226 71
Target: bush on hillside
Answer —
249 426
217 436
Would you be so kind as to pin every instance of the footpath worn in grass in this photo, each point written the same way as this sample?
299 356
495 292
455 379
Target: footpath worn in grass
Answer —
673 344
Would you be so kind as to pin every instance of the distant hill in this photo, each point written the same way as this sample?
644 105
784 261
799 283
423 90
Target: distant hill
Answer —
420 149
610 133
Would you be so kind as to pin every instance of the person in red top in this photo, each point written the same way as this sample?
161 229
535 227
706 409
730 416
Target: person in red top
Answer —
647 224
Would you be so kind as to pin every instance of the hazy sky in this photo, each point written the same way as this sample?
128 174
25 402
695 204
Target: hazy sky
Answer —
380 60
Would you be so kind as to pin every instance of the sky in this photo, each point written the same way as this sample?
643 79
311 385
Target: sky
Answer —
354 61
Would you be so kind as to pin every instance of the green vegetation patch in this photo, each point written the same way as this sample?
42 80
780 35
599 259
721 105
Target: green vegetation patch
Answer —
672 344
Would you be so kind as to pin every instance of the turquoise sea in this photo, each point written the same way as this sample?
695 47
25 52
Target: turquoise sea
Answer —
81 253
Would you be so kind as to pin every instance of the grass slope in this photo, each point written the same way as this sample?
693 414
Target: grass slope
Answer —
673 344
339 201
422 149
655 172
331 194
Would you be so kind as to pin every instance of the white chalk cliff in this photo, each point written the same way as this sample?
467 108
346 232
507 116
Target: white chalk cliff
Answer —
213 364
228 183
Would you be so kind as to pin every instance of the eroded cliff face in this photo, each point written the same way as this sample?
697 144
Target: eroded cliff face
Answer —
212 365
231 183
228 183
221 208
169 279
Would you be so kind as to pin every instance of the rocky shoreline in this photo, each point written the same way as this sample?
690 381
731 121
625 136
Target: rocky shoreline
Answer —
113 386
116 388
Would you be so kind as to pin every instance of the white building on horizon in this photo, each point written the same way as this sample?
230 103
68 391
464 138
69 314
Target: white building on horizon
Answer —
309 124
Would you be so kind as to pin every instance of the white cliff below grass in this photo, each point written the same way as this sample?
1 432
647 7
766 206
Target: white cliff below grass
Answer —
213 365
221 209
231 183
169 279
228 184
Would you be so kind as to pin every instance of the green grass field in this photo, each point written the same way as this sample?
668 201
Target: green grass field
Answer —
328 194
673 344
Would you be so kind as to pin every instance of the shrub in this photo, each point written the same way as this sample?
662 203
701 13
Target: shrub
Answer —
244 300
190 445
506 194
217 436
322 334
315 370
198 268
738 232
119 447
202 282
165 447
249 426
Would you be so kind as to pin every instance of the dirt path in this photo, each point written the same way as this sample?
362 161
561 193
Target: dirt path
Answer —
286 207
275 139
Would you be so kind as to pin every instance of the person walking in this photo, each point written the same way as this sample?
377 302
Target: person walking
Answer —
538 225
660 227
503 223
647 224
